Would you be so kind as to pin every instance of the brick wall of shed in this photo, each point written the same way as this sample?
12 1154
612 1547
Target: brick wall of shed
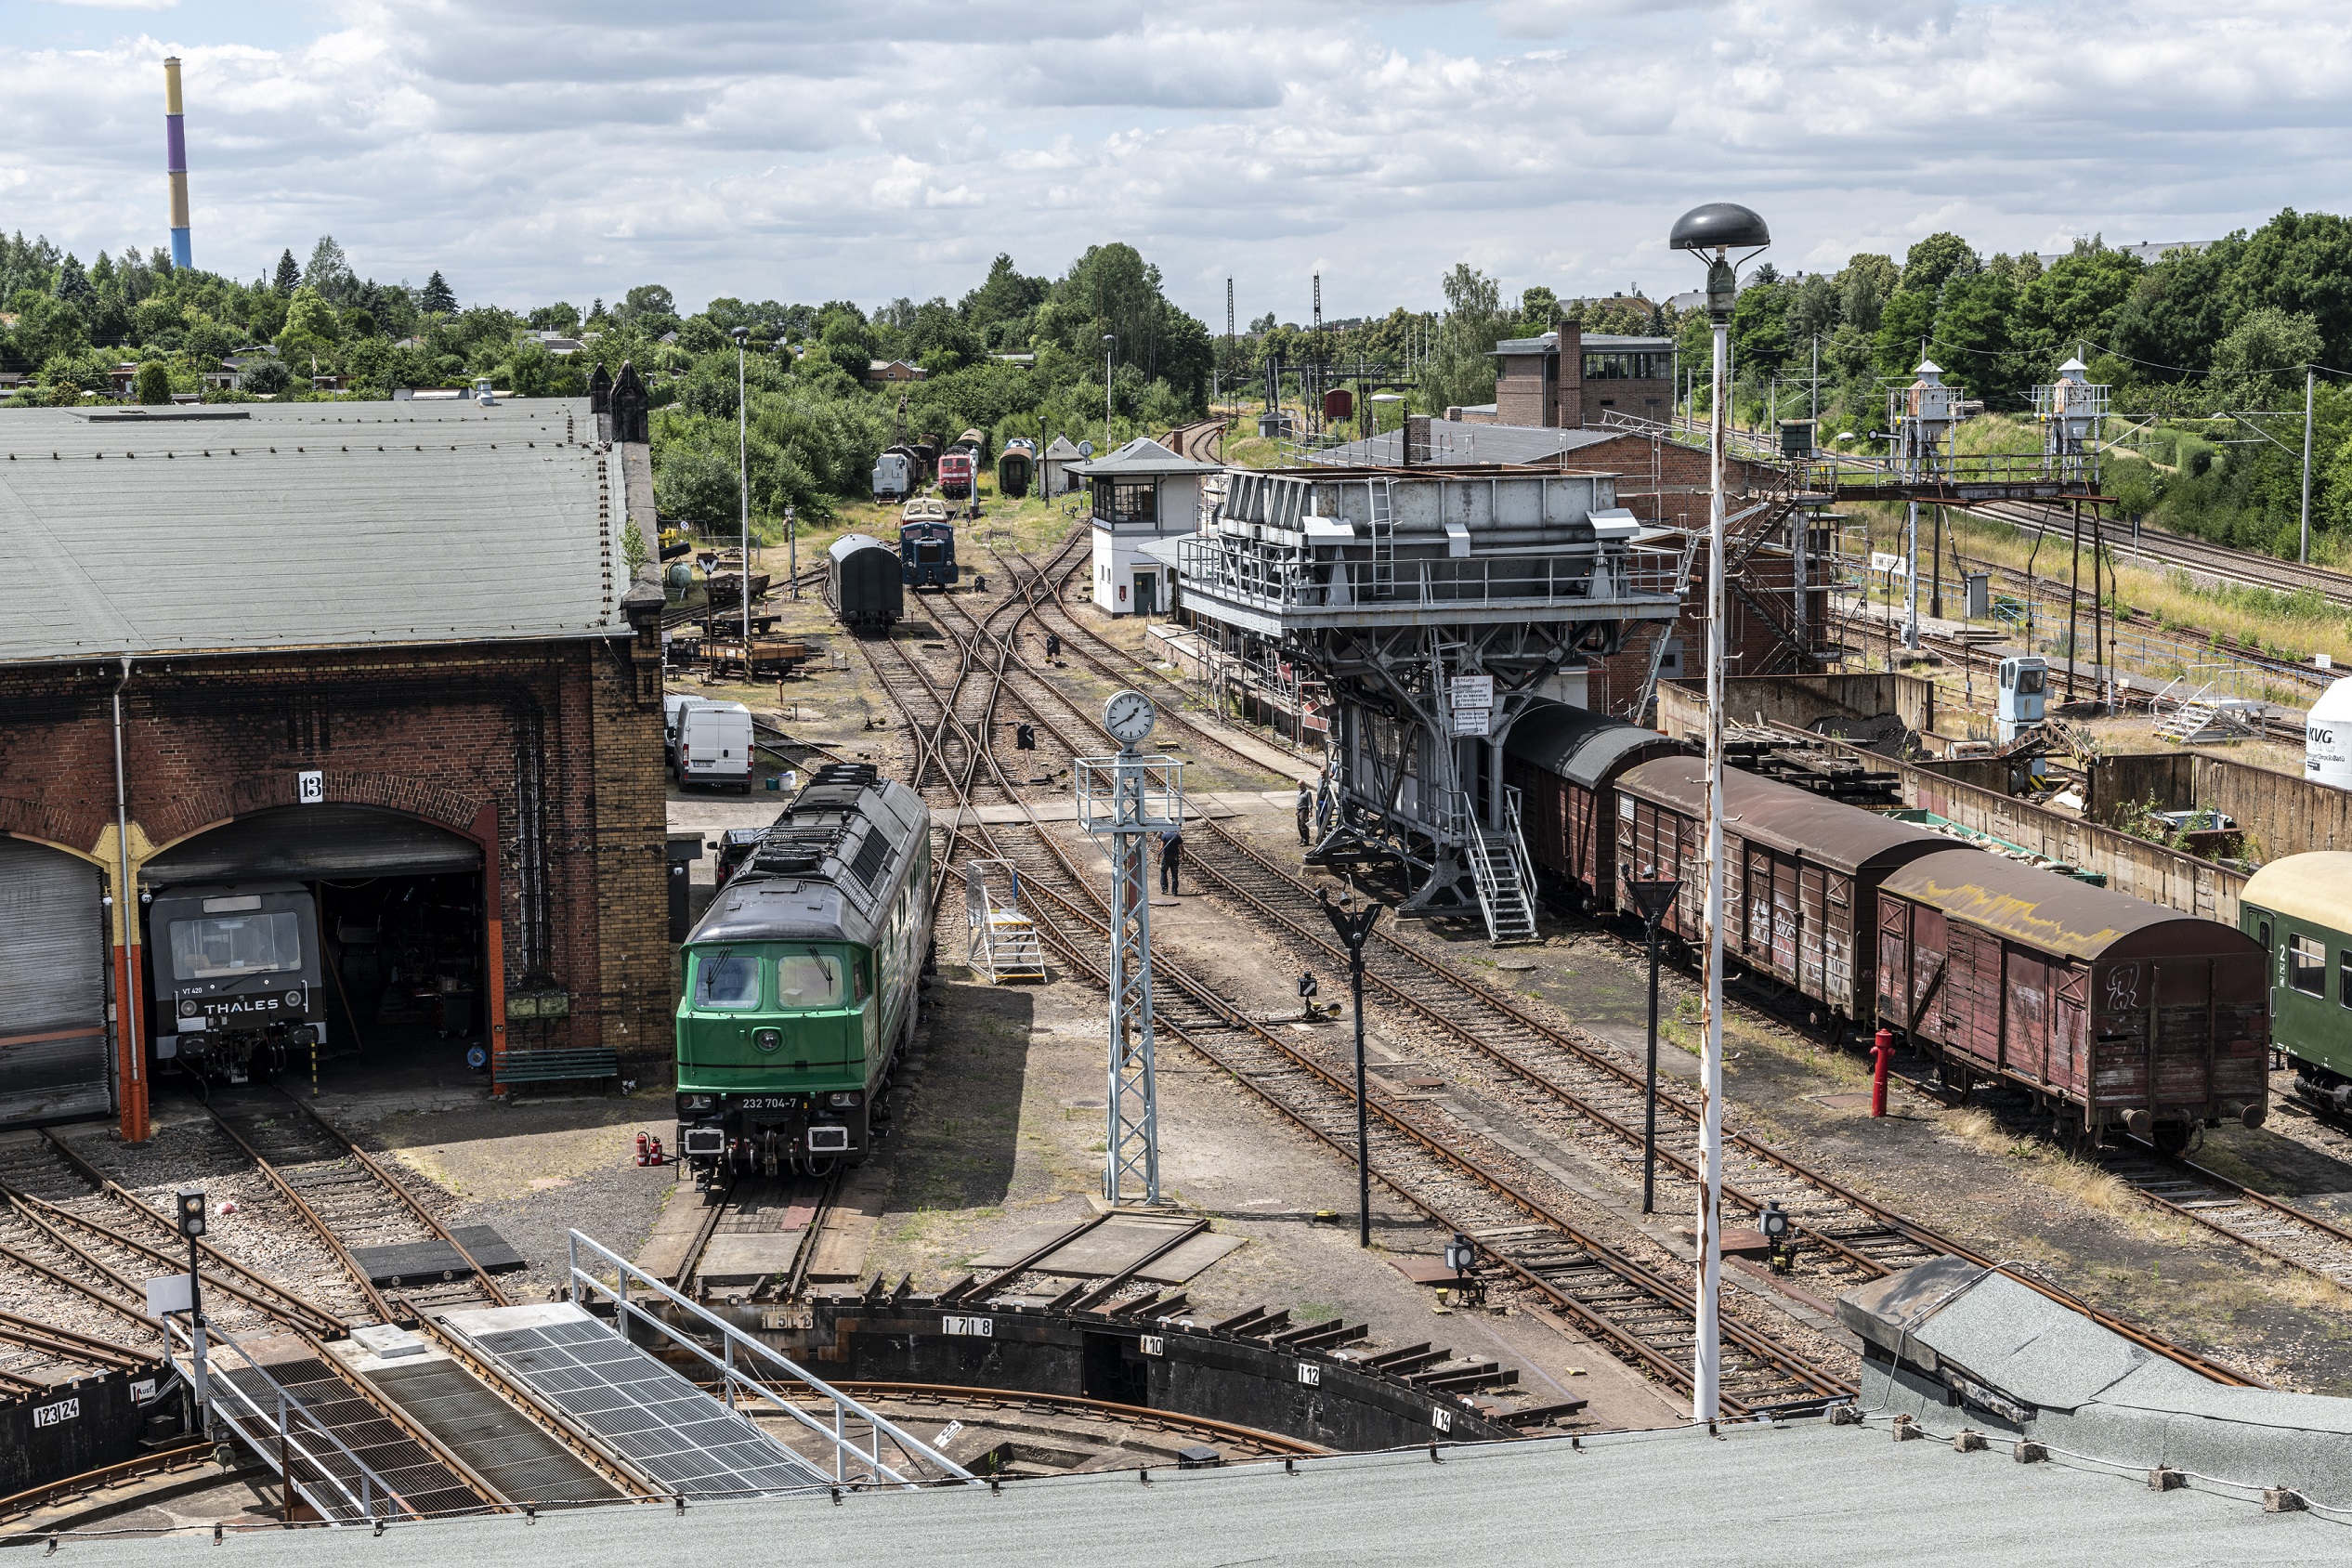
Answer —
435 733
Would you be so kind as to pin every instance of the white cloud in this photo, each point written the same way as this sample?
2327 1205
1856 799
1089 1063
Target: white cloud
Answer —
536 148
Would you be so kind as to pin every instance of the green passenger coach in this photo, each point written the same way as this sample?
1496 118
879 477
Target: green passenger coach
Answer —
802 982
2300 909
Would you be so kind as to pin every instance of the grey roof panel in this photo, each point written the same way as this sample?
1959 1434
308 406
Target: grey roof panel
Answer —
315 524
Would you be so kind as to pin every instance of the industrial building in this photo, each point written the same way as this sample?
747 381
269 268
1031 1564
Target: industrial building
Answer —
380 665
1565 380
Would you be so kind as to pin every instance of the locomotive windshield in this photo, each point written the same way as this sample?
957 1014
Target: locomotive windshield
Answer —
223 947
807 979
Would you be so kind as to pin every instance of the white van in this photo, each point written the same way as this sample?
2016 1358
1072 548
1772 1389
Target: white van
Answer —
714 744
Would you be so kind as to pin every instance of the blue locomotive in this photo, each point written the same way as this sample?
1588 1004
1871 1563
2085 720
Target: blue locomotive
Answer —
927 547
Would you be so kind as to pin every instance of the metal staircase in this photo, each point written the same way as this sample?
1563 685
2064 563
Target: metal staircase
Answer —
1000 943
1502 890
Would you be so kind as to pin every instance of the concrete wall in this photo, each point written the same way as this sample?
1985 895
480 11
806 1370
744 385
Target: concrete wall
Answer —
1795 700
2281 814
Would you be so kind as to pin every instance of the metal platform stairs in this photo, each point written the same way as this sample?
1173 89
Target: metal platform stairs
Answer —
1000 942
1500 872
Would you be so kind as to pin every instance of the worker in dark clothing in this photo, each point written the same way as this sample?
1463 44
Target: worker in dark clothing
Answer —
1172 861
1306 812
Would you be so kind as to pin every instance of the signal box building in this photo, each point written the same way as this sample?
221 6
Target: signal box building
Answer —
1142 493
1567 380
382 661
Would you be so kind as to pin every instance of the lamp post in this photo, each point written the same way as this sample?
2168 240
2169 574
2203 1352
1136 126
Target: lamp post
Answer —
1353 927
1720 227
743 476
1651 895
1109 340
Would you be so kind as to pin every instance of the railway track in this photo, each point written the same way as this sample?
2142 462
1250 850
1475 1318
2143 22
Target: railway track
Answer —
2243 568
1627 1291
1549 1074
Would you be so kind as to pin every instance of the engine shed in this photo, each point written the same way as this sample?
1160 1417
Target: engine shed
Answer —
362 703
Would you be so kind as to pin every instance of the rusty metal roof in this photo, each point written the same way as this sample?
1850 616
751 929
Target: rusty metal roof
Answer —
1581 746
2041 910
1830 833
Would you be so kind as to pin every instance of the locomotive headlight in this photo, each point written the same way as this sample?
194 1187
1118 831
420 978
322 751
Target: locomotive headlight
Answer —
190 1010
293 998
768 1040
844 1099
692 1103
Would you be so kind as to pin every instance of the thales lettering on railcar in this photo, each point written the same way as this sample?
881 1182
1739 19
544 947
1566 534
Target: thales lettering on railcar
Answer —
803 983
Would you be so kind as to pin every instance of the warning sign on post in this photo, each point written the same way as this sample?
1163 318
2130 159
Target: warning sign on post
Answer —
1471 691
1473 720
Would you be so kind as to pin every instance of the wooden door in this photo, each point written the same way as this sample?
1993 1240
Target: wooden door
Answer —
2025 1014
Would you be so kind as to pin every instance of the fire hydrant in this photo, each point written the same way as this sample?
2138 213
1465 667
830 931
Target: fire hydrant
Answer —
1883 1047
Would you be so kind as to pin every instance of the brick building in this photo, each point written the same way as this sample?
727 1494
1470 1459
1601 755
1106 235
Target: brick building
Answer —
1567 380
385 657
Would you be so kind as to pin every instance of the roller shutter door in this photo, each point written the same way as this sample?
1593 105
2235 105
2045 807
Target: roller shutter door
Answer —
53 955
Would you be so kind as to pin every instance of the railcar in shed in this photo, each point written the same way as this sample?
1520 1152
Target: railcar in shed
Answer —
1564 763
864 582
2118 1015
2298 911
802 982
1800 874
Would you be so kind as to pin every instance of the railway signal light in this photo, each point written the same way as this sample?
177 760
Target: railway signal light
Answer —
1308 988
1024 737
191 1214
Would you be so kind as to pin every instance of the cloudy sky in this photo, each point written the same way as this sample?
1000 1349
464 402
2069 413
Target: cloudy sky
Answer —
865 148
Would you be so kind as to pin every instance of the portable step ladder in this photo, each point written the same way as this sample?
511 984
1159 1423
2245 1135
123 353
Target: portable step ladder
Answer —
1000 942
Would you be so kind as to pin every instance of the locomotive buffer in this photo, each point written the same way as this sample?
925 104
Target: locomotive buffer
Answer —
1130 799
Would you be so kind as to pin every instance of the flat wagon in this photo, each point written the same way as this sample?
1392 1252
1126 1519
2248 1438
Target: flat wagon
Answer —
1564 763
2119 1016
1800 875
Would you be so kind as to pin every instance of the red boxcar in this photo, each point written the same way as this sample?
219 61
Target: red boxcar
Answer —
2115 1012
1564 763
1800 876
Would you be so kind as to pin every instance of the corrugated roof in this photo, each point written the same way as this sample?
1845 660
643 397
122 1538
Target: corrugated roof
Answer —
2051 913
314 524
1453 442
2316 887
1785 817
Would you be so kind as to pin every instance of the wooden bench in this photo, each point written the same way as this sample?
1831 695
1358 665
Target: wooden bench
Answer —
556 1065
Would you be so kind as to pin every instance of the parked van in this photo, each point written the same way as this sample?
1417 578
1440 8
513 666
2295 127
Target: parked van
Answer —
714 744
672 702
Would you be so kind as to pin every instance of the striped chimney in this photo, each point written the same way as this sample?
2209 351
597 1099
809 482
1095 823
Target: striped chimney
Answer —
175 159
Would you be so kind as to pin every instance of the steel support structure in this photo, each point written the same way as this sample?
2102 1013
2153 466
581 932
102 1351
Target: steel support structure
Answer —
1130 799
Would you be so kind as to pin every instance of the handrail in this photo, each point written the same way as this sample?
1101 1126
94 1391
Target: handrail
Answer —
731 1338
1639 573
371 1483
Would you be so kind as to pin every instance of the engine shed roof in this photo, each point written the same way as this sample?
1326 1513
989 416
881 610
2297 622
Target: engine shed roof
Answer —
218 529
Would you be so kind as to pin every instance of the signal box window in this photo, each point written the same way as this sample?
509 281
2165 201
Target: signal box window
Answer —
807 979
727 982
2307 965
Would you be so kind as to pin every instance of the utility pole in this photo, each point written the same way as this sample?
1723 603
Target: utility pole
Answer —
2303 553
743 476
1911 581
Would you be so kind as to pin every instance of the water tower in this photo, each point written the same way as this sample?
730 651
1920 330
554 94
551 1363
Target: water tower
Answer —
1919 420
2071 410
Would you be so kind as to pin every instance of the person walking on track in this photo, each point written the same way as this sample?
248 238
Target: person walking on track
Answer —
1172 861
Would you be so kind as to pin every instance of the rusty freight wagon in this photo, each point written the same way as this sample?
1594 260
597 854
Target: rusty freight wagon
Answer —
2117 1014
1564 763
1800 875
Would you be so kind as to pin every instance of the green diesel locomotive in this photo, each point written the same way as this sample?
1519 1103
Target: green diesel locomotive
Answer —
802 982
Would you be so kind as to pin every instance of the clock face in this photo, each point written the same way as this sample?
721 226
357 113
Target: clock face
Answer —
1128 715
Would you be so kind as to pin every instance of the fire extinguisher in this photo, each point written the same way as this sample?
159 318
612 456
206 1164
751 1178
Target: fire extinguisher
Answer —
658 1157
645 1150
